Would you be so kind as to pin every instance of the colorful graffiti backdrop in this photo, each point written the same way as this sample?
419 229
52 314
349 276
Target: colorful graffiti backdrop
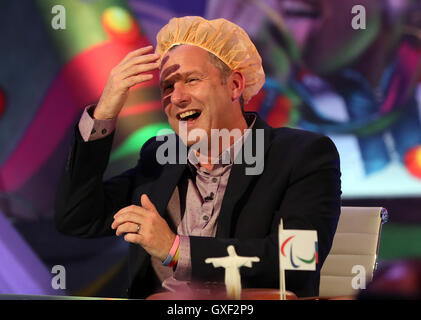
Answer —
362 87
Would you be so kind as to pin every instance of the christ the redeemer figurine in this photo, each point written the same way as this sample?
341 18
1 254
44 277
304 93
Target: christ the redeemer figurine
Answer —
232 265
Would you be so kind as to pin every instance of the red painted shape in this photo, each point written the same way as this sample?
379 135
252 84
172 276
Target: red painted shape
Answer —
280 113
141 108
79 83
255 102
413 161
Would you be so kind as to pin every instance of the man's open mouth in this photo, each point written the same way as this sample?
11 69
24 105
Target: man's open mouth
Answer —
189 115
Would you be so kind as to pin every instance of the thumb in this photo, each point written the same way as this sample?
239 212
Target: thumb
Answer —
147 203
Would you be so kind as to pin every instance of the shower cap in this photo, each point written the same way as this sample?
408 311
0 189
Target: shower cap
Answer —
224 39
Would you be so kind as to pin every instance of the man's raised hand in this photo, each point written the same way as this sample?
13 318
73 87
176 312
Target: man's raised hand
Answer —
129 72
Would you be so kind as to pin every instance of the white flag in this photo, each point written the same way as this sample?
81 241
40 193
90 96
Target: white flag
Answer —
298 249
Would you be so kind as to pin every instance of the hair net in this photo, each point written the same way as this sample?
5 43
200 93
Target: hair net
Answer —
224 39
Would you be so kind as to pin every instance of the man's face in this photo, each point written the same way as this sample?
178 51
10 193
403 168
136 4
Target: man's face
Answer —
193 93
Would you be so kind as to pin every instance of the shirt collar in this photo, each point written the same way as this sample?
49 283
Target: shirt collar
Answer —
228 155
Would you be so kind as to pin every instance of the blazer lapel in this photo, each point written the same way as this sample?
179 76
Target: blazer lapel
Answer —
239 181
162 190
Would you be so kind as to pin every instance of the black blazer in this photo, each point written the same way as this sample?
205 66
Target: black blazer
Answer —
300 183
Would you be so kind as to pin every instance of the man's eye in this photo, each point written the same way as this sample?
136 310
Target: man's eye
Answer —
192 79
168 87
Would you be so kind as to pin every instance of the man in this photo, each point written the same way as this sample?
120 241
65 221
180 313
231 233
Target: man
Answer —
177 215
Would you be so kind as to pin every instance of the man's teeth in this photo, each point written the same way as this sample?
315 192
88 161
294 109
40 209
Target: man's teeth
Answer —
186 114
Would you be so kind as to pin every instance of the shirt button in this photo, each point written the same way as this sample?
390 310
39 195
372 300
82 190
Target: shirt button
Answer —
209 197
206 218
214 180
104 131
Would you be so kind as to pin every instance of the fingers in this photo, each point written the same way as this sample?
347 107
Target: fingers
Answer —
127 227
129 218
155 236
138 52
130 71
133 70
132 214
131 61
135 214
141 210
133 208
134 238
138 60
130 82
137 69
147 203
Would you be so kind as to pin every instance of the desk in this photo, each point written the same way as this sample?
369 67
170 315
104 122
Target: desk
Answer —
50 297
246 294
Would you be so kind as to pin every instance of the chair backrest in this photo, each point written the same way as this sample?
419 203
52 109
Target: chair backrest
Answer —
356 243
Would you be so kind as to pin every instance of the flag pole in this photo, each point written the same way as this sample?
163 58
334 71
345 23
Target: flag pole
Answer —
281 269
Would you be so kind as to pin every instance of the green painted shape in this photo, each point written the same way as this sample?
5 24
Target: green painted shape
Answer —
281 61
83 24
400 241
295 114
121 17
379 125
136 140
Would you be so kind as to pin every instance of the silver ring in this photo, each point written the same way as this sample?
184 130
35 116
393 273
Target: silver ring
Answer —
138 228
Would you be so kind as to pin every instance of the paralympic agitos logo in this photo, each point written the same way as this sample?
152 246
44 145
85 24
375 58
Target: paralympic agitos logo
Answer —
294 258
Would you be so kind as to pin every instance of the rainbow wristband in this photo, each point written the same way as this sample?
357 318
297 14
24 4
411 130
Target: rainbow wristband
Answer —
174 261
172 252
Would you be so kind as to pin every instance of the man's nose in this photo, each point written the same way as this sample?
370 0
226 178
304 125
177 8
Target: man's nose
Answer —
180 96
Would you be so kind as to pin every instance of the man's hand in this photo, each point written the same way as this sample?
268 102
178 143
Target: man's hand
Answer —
129 72
155 236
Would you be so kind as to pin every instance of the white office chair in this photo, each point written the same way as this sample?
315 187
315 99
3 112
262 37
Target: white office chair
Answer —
356 243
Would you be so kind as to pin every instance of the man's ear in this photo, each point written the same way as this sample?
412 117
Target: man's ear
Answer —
237 84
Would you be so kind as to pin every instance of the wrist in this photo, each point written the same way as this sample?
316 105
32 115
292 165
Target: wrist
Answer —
100 114
174 260
169 260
